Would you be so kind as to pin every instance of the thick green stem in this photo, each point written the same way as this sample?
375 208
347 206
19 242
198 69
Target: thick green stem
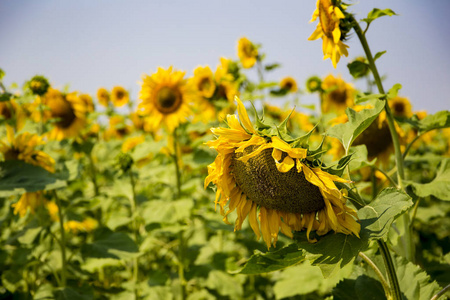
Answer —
389 116
395 139
390 268
383 281
176 161
62 241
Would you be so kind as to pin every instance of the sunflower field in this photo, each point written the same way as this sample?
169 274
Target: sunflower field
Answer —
218 186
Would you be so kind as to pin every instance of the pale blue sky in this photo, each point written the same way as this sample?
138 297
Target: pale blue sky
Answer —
94 43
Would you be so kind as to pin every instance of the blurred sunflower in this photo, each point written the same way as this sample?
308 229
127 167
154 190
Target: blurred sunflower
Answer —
28 200
203 81
119 96
88 103
401 107
247 52
337 95
86 225
10 110
289 84
330 16
23 147
70 112
166 99
314 84
103 97
117 128
255 171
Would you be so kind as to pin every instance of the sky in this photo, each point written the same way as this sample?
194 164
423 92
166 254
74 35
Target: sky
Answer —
89 44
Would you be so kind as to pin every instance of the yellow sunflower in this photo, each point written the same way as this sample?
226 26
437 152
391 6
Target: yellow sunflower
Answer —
28 200
203 81
87 225
70 112
166 99
88 103
254 172
247 53
400 107
289 84
328 29
337 95
10 110
103 97
119 96
117 128
23 147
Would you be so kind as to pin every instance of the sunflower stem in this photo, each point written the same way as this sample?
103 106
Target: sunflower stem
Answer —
394 135
133 203
62 241
441 293
390 268
181 266
176 161
93 174
384 283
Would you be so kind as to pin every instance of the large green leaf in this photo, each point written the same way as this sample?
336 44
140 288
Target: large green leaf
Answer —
379 215
357 123
163 211
18 177
414 282
273 261
335 250
438 187
108 244
225 284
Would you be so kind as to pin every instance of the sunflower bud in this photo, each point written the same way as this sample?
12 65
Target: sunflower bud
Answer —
38 85
124 161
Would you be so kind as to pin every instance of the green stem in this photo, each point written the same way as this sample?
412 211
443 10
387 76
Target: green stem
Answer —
442 292
133 203
390 268
93 174
389 116
394 135
386 175
62 241
181 266
383 281
176 161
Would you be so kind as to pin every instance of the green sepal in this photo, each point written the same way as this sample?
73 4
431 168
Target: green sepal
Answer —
338 169
316 152
282 129
302 142
259 121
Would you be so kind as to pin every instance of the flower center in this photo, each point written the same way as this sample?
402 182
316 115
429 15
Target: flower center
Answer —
399 109
5 111
377 140
262 183
62 110
288 85
11 154
168 100
326 20
338 96
120 95
204 84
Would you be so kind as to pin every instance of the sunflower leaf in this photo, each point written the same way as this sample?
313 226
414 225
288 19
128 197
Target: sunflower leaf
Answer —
438 120
335 250
377 13
359 288
18 177
378 216
438 187
414 282
358 68
272 261
357 123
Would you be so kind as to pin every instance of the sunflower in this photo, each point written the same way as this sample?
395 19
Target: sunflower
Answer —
117 128
10 110
203 81
401 107
289 84
119 96
166 99
23 147
87 225
328 29
103 96
70 112
337 95
247 52
88 103
255 171
28 200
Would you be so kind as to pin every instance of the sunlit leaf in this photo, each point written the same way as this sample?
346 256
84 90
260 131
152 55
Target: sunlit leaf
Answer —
377 13
438 187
